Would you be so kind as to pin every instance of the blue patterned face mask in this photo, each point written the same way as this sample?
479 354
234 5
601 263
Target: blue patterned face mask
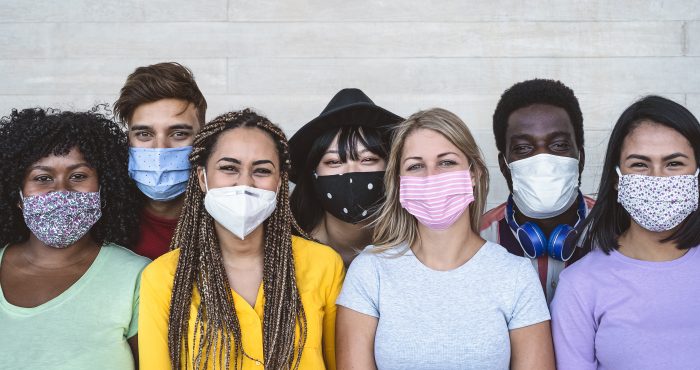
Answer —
160 173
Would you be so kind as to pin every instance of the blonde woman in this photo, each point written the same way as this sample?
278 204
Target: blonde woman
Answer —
431 293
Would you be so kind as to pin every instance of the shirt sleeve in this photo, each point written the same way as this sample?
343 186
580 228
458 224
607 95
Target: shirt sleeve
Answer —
530 306
134 323
154 311
573 328
329 314
361 287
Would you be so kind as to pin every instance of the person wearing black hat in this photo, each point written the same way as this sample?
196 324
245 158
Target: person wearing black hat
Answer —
338 163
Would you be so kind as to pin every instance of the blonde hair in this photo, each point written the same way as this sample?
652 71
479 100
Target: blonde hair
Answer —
394 225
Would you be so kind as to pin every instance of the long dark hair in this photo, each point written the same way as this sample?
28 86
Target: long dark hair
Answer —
608 219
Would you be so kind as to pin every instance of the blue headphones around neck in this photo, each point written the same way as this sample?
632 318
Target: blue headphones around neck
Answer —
561 243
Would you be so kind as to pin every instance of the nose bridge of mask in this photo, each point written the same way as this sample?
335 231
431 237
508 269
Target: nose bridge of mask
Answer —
619 173
170 159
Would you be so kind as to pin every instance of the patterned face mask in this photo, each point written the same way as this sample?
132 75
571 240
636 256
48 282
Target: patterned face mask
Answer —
658 203
60 218
436 201
350 197
160 173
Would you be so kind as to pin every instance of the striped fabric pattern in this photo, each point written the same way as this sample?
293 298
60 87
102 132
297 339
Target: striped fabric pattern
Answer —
437 200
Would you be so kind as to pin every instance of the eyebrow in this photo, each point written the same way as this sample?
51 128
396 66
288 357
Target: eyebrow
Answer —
446 153
228 159
528 136
181 126
666 158
263 161
439 156
177 126
255 163
70 168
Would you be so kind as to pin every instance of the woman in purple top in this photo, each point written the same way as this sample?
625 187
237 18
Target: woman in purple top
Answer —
634 301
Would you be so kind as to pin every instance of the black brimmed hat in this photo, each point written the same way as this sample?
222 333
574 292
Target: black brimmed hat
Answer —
349 107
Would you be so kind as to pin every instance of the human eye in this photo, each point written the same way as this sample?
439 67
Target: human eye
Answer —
414 167
521 149
370 160
262 171
675 164
79 176
332 162
142 135
560 146
447 163
638 165
42 178
181 135
228 168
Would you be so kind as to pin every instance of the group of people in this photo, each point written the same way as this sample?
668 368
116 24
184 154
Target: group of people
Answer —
160 240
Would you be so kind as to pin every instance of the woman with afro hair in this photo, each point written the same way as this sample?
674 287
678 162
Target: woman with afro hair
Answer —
68 290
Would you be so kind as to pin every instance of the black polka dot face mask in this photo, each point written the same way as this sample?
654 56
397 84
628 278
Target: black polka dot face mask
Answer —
351 197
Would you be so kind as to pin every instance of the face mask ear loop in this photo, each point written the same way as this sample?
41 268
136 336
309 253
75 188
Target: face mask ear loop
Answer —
206 185
697 171
21 198
617 169
504 159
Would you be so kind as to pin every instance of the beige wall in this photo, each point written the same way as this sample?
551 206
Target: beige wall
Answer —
287 58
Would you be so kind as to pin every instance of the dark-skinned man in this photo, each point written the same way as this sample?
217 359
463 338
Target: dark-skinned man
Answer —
538 128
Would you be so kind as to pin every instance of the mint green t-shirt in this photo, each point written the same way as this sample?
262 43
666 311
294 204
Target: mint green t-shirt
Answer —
85 327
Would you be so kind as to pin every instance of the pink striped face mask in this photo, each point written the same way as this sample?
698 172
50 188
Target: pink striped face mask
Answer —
437 201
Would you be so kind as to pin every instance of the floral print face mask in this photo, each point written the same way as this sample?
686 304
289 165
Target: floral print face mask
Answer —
60 218
658 203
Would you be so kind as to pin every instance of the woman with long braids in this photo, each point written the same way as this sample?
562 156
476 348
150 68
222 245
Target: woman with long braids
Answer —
239 292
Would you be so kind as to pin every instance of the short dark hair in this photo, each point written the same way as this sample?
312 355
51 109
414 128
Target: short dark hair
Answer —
608 219
32 134
155 82
536 91
303 195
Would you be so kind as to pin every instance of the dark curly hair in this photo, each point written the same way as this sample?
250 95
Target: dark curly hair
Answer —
536 91
31 134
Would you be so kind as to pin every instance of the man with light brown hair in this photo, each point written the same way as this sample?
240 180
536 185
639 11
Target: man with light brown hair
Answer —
163 109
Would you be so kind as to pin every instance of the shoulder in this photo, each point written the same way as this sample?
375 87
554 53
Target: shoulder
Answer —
163 266
125 258
493 216
304 249
498 256
592 263
315 261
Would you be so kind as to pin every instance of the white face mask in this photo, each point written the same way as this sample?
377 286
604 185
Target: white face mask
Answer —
240 209
544 185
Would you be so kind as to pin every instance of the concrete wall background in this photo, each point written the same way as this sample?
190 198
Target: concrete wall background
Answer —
287 58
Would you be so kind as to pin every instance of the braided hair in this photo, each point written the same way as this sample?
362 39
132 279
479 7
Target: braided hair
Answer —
217 332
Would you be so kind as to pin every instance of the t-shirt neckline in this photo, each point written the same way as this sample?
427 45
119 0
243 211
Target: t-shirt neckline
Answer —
465 265
65 295
655 264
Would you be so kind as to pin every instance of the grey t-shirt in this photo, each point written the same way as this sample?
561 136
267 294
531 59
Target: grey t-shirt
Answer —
457 319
